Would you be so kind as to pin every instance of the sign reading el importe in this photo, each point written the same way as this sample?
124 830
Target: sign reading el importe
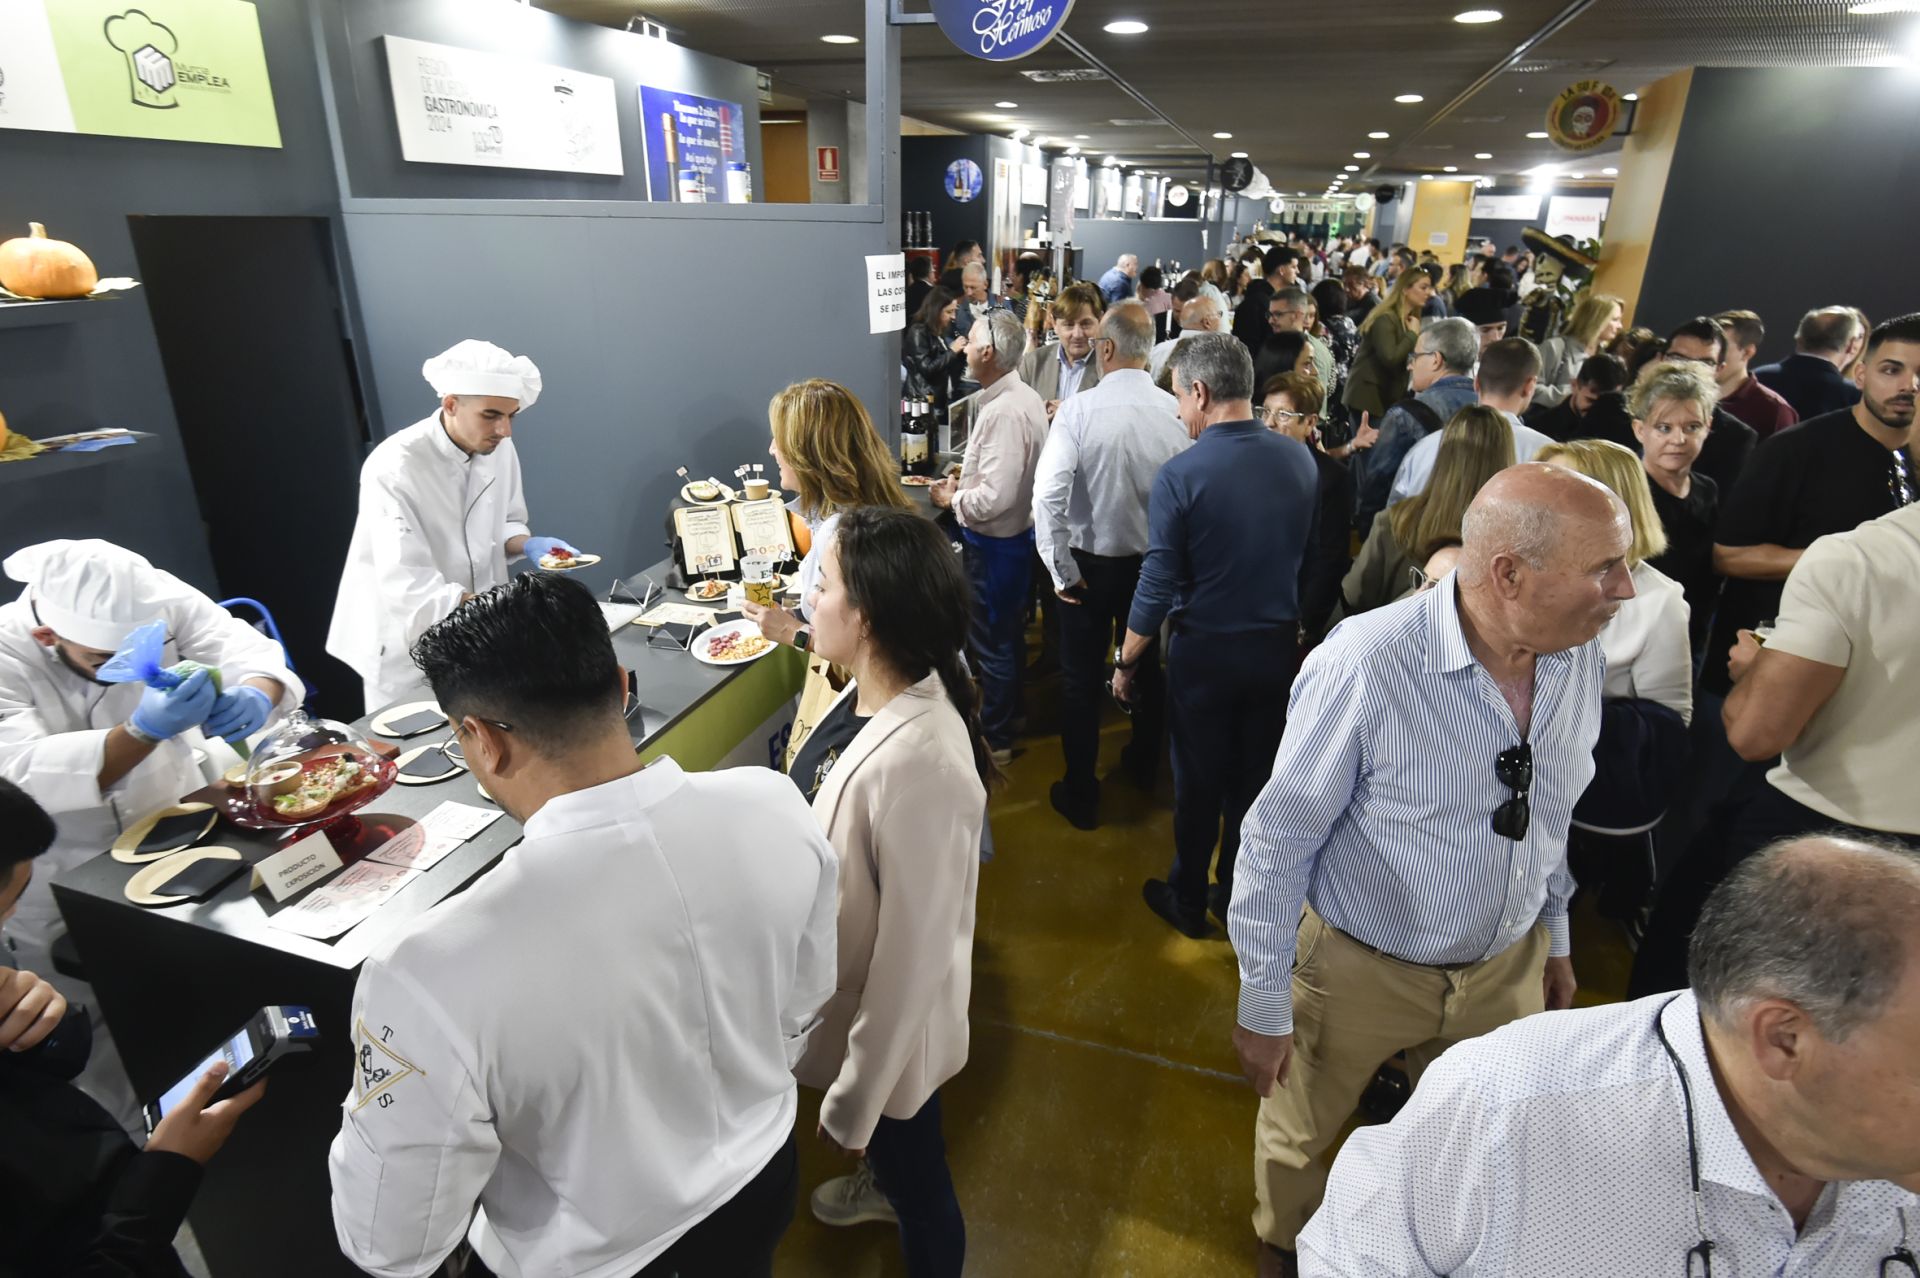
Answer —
886 292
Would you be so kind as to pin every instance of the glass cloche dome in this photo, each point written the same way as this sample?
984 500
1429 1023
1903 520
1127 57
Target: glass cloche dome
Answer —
312 770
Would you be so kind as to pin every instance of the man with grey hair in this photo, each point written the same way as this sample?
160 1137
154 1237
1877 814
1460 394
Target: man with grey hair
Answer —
1761 1122
1200 315
1229 523
992 501
1441 384
1812 379
975 301
1410 849
1117 284
1090 520
1287 312
1509 371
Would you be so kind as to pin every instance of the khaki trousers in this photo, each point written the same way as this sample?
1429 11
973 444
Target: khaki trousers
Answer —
1352 1009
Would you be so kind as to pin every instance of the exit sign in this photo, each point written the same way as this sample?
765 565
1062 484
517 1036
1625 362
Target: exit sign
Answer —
827 162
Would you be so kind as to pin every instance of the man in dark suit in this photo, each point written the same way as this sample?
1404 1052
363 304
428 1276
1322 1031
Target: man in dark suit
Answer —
1282 267
1810 379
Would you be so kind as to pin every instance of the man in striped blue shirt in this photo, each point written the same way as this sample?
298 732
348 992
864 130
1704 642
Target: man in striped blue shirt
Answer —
1411 845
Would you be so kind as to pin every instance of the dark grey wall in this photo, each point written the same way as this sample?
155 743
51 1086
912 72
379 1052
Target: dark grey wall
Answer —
364 94
1106 239
923 175
643 372
104 369
1770 162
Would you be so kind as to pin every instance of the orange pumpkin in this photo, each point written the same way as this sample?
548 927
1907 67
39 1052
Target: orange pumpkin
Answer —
3 432
36 266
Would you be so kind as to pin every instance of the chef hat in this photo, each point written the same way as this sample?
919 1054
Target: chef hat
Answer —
481 368
92 593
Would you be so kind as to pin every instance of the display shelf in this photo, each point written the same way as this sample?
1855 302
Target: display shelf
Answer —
45 466
33 314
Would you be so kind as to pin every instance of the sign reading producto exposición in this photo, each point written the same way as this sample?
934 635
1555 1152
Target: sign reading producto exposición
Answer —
462 106
1001 30
176 70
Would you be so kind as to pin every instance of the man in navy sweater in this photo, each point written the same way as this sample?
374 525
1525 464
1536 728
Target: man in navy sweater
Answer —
1229 522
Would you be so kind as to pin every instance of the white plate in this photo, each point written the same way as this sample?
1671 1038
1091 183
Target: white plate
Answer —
382 722
773 494
578 561
686 495
704 640
718 599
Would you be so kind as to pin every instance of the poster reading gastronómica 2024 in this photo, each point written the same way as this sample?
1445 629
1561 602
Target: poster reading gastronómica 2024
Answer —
696 148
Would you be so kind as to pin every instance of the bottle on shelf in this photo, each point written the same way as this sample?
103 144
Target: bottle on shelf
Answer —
915 456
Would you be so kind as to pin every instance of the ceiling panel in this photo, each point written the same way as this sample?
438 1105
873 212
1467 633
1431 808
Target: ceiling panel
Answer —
1298 85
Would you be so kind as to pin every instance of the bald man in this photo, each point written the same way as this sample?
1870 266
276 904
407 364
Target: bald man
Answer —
1569 1142
1411 846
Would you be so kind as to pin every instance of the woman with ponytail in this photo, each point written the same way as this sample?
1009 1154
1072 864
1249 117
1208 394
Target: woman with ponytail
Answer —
897 774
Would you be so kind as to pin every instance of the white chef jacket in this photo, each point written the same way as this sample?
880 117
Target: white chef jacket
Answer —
433 526
594 1043
1558 1145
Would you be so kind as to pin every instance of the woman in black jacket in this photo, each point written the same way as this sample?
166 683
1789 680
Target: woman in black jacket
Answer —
931 360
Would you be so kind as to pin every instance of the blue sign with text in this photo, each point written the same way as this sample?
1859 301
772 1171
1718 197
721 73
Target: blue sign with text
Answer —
696 148
1001 30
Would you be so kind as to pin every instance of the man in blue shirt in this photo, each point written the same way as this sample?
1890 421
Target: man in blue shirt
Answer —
1441 384
1228 524
1117 284
1410 849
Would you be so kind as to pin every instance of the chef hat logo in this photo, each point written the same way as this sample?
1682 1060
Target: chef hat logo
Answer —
148 47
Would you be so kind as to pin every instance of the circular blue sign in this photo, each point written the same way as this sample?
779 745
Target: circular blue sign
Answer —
964 181
1001 30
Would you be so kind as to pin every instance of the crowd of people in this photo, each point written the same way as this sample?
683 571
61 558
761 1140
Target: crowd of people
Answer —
1437 622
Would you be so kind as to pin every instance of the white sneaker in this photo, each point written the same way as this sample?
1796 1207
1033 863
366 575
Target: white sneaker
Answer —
852 1200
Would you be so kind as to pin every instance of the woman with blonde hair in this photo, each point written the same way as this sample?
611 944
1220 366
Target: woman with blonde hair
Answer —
832 460
1672 404
1474 447
1594 321
1378 379
1646 646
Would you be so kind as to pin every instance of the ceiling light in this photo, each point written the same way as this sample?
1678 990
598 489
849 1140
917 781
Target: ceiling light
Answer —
1380 133
1483 155
1611 172
1223 136
1126 26
1449 168
840 39
1080 137
1536 135
994 115
1426 177
1409 97
1006 106
1576 176
1108 160
1353 168
1020 135
1239 155
1629 97
1363 155
1073 150
1474 17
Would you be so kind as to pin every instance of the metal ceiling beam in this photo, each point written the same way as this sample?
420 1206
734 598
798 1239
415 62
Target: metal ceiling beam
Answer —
1554 26
1081 51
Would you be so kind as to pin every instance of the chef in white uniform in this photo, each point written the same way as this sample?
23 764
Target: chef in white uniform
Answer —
99 756
442 514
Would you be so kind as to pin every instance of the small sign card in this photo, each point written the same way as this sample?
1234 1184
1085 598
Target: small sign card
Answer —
346 902
764 530
886 292
435 837
296 867
706 539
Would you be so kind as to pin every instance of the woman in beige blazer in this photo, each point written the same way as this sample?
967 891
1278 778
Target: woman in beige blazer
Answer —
897 773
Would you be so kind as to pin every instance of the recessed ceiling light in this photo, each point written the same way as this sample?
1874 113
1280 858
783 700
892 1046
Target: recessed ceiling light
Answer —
1629 97
1006 106
1380 133
1020 135
1126 26
1449 168
1080 137
1108 160
840 39
994 115
1611 172
1409 97
1073 150
1426 177
1223 136
1476 16
1536 135
1483 155
1353 168
1363 155
1239 155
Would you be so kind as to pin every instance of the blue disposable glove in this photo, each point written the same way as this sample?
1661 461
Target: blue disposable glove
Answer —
164 713
238 714
537 548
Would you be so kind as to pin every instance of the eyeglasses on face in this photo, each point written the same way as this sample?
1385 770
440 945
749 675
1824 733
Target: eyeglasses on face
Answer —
1282 416
1514 769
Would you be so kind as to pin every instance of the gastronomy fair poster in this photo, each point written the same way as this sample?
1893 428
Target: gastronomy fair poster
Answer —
690 142
174 70
462 106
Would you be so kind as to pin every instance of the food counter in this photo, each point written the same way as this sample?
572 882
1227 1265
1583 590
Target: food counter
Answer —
174 981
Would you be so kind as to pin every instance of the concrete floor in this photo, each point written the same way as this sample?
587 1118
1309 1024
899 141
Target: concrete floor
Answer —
1101 1125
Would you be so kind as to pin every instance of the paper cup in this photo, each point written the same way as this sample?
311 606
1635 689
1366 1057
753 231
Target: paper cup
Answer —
757 489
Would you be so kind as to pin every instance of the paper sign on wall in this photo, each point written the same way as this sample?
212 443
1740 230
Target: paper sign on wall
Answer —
691 144
175 70
1577 216
886 292
461 106
1506 208
1033 184
827 163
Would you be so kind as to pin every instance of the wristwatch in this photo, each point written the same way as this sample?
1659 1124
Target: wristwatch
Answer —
803 639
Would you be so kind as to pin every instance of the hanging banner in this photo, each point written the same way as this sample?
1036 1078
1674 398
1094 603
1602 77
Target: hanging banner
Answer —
1578 217
462 106
1033 184
1064 180
1584 116
696 148
1001 30
1507 208
173 70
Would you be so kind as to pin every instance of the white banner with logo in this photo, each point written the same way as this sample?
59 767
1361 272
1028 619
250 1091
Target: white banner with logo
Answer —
1507 208
1577 216
461 106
